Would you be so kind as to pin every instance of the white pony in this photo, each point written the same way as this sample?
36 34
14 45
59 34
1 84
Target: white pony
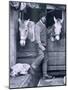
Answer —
28 29
56 29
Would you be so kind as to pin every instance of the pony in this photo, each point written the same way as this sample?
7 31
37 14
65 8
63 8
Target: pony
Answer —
28 29
56 29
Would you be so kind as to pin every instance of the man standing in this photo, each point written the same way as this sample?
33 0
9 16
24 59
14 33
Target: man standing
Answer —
42 52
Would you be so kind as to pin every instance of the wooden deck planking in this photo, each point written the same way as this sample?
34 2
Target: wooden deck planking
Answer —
51 82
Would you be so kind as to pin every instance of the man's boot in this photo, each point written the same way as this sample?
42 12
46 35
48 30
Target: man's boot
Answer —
44 68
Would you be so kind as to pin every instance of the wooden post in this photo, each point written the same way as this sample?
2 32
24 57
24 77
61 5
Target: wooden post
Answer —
12 26
64 18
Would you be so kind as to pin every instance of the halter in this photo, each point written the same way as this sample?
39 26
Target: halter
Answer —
53 32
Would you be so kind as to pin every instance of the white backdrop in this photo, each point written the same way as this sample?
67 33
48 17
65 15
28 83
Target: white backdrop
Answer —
4 43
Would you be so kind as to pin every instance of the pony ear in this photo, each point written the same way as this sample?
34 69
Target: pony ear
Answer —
62 20
55 19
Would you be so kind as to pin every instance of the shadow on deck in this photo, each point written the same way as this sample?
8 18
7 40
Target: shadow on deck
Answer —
36 80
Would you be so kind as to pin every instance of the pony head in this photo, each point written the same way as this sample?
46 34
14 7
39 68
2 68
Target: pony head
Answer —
23 28
57 27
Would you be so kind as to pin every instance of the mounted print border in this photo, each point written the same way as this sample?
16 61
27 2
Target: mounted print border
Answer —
37 44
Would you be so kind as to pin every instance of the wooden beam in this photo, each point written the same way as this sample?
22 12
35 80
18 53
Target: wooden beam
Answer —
12 26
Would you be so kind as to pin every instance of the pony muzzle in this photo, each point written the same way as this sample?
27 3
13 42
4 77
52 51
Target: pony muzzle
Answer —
22 42
57 37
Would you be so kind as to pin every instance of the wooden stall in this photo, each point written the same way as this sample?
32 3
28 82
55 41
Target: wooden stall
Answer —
56 50
18 54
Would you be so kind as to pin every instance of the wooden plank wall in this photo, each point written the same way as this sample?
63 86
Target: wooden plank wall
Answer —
56 54
56 50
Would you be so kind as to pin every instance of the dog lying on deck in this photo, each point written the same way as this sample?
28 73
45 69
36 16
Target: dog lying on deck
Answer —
19 69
